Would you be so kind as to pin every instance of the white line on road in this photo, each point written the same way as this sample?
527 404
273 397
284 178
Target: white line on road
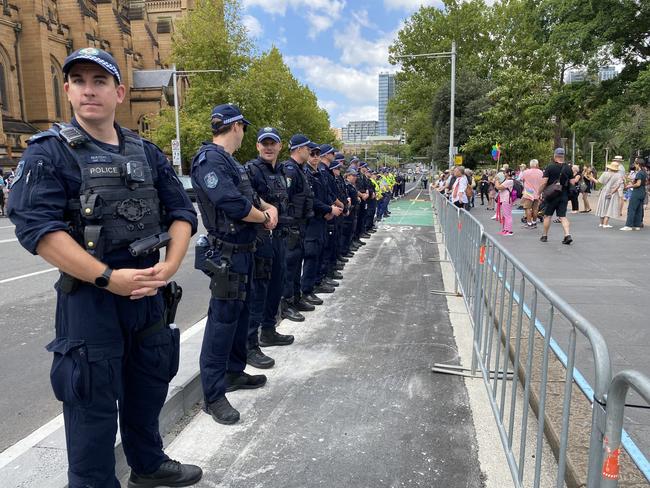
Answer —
3 241
7 280
33 439
7 226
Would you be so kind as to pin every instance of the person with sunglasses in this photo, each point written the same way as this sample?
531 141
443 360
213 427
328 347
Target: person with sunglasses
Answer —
232 212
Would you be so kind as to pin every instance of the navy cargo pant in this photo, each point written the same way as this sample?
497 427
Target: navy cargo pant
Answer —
226 333
370 213
266 292
330 248
293 258
102 365
314 247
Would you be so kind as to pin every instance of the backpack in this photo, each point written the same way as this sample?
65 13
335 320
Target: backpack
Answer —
469 191
517 190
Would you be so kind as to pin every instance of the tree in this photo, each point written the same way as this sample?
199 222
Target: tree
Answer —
269 95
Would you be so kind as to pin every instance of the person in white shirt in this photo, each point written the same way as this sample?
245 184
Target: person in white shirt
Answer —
459 188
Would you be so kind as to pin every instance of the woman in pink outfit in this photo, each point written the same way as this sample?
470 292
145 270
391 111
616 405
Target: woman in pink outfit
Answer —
506 203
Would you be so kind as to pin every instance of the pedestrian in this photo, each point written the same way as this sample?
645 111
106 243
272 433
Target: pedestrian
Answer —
115 350
608 200
585 185
459 188
268 181
555 190
635 206
506 202
531 179
574 189
232 213
621 191
483 187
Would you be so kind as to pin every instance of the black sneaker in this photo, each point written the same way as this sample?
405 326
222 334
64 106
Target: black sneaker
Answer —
270 337
335 275
256 358
313 299
222 411
323 288
544 238
170 473
567 239
244 381
302 306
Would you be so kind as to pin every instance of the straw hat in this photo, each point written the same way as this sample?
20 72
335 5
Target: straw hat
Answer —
619 159
614 166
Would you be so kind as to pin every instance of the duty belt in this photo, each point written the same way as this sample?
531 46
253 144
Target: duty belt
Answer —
230 248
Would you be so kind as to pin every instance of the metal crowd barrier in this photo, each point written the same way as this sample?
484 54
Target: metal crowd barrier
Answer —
518 325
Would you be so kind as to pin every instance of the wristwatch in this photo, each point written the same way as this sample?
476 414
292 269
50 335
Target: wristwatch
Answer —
102 281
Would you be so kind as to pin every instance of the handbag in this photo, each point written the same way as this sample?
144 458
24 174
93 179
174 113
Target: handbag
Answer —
552 190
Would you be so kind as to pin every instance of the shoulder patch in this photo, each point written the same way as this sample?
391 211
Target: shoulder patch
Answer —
211 180
18 174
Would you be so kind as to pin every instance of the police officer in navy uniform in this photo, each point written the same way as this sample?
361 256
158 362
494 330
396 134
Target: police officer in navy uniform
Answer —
301 209
315 233
270 184
335 169
231 212
363 188
97 201
350 220
371 201
329 249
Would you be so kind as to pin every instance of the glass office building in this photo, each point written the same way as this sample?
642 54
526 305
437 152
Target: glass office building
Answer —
386 92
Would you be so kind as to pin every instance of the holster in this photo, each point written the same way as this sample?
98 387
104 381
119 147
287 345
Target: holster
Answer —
225 284
293 238
67 284
263 268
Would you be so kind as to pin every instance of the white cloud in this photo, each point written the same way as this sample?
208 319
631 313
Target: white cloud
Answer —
252 25
323 73
411 5
361 18
356 50
355 112
328 105
321 14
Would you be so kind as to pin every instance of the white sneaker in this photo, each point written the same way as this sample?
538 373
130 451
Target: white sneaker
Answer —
626 228
607 226
636 228
601 225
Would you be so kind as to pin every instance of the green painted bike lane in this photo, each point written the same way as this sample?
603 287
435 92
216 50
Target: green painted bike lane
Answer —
410 212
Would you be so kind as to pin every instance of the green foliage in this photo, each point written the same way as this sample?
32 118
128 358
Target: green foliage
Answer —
212 36
521 50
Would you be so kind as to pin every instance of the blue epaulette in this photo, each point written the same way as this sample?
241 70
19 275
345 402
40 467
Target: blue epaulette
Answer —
51 132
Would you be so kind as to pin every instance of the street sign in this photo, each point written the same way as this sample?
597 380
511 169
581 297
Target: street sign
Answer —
458 160
176 152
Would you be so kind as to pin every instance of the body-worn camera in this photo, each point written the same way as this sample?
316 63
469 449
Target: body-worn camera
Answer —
135 172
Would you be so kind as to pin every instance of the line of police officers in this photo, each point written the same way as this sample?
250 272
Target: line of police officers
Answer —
98 202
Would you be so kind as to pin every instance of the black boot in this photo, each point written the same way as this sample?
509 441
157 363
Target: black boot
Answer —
313 299
256 358
288 312
323 288
302 306
244 381
170 473
221 411
335 275
365 235
270 337
343 259
330 282
339 267
349 254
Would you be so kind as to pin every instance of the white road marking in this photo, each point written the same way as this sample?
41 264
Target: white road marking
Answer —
33 439
7 280
4 241
7 226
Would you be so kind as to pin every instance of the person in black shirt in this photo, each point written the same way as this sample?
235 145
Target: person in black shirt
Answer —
556 202
635 205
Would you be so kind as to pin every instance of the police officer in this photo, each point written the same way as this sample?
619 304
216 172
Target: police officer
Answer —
327 260
84 193
350 220
301 208
231 212
341 194
371 202
268 280
315 232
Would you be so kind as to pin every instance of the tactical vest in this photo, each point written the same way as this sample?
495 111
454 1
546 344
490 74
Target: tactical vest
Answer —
301 204
118 202
217 221
277 186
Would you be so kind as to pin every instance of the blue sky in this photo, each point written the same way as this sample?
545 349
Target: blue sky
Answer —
336 47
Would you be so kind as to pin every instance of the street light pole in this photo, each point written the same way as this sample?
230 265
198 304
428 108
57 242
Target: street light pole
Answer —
452 55
591 159
452 111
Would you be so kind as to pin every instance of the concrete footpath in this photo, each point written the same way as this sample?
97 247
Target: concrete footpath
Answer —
353 401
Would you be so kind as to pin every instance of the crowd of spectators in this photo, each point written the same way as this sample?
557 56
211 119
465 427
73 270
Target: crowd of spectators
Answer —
544 195
5 183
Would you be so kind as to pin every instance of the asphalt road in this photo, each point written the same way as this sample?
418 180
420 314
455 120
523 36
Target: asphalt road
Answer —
27 305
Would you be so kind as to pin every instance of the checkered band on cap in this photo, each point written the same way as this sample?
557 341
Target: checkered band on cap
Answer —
111 68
